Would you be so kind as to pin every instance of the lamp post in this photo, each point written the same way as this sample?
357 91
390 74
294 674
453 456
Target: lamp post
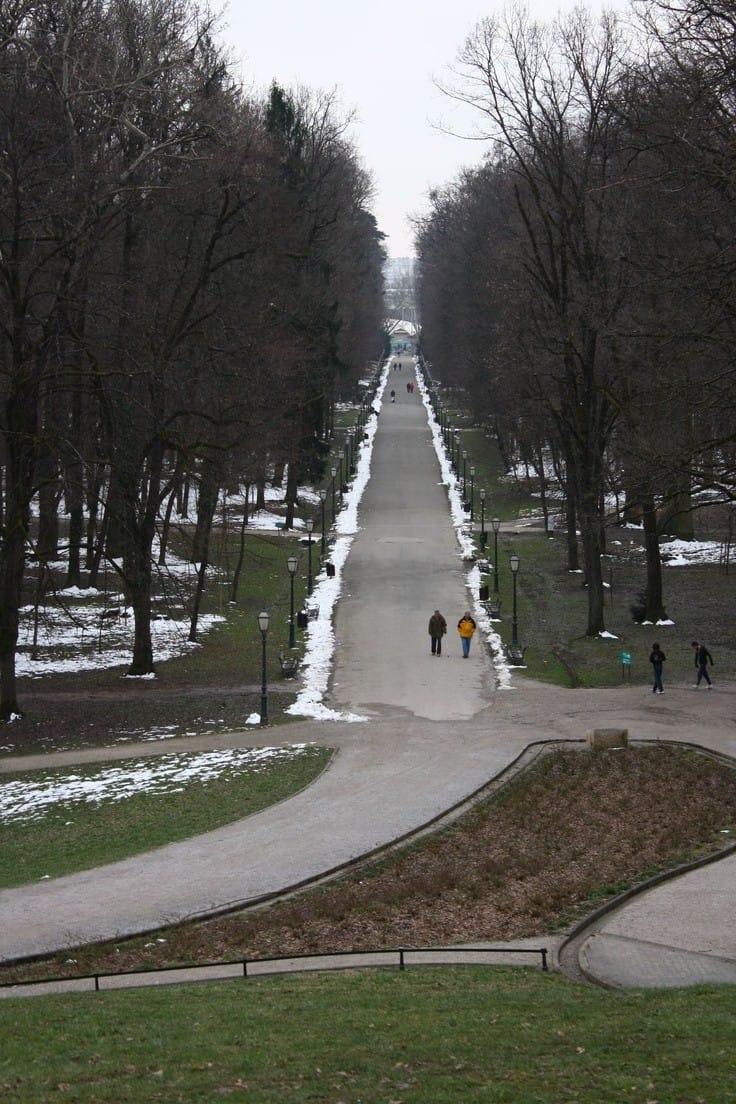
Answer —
333 469
310 527
472 492
482 496
465 482
456 463
263 626
514 565
322 500
292 563
496 523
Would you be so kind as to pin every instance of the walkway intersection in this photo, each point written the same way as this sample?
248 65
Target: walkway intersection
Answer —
436 731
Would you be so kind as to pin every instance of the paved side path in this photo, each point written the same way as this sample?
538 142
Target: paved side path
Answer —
438 731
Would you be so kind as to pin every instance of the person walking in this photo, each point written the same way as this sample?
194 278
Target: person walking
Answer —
702 659
437 629
466 627
657 658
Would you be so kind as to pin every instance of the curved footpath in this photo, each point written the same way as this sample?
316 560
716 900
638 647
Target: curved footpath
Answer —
437 730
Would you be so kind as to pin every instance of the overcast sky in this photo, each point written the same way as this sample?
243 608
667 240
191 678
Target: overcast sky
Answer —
381 57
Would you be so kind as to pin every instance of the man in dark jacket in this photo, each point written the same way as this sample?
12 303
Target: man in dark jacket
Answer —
657 659
702 659
437 629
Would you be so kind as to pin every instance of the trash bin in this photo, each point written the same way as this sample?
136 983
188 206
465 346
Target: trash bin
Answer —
483 594
330 570
302 619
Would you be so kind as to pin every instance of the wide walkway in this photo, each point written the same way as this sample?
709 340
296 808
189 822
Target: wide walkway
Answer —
438 730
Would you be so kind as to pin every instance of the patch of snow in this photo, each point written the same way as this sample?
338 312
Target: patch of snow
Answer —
320 640
24 800
680 553
463 531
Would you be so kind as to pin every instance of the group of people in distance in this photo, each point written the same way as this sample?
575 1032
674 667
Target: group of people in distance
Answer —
466 626
702 659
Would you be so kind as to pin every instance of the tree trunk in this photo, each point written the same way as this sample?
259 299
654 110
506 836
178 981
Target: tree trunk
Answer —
138 562
292 487
49 493
138 576
173 496
593 578
209 490
654 609
74 484
11 586
241 552
677 515
22 452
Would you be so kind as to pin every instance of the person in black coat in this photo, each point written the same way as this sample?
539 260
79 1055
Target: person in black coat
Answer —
702 659
437 629
657 658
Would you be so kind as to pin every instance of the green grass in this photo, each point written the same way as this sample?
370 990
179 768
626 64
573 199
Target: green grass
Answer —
234 648
445 1036
81 835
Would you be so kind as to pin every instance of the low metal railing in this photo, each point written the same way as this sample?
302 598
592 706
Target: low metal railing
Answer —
400 957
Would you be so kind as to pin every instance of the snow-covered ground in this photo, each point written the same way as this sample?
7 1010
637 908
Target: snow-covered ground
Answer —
79 640
56 791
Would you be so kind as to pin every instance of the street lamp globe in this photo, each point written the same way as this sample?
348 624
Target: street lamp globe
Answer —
263 620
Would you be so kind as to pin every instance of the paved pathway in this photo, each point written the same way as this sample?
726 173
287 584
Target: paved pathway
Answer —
438 731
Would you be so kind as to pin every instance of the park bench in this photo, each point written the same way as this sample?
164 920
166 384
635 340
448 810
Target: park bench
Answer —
289 665
492 606
515 654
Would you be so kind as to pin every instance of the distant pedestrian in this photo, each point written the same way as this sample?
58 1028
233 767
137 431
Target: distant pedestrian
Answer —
408 387
437 629
466 627
702 659
393 396
657 659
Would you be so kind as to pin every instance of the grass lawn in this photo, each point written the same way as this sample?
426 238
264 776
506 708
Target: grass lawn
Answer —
426 1036
77 835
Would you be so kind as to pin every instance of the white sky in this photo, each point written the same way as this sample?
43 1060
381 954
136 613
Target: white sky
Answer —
381 57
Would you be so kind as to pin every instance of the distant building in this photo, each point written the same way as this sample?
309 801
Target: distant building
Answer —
403 335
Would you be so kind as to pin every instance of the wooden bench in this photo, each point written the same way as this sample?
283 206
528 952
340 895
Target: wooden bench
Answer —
289 665
515 654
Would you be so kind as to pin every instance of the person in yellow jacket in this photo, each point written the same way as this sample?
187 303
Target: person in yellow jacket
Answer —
466 627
